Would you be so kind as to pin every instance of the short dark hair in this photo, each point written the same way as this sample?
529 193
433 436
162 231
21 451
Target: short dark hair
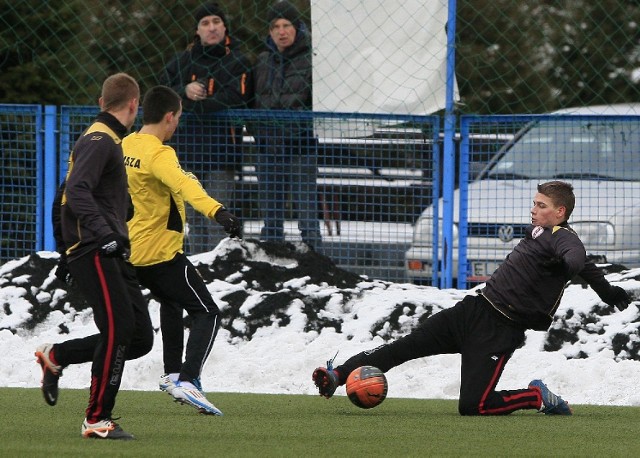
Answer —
118 90
561 193
158 101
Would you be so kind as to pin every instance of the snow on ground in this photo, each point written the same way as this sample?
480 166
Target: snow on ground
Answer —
287 310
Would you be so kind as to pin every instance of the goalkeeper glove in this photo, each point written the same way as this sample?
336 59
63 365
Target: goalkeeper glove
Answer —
230 223
613 295
617 297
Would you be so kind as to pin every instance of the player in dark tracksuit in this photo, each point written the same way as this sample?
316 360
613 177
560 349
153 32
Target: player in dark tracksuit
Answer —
523 293
92 215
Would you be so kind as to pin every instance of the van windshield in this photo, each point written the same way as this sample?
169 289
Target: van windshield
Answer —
568 149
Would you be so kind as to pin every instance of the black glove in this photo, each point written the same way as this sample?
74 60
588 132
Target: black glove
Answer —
115 246
230 223
615 296
554 264
62 271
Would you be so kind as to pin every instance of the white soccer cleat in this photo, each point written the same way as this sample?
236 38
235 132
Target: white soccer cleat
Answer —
187 393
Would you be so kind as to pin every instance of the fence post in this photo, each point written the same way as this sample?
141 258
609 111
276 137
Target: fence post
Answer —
50 183
463 196
449 163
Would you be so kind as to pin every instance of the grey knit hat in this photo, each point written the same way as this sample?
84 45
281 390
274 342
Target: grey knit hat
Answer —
284 10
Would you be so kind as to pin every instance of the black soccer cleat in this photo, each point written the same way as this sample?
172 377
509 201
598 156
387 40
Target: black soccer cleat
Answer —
50 373
326 379
104 429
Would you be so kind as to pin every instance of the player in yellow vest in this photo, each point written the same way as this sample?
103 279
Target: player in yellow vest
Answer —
159 190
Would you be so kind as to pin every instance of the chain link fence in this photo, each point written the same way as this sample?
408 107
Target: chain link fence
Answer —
511 57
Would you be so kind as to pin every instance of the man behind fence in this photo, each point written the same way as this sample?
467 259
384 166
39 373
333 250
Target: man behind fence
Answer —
211 75
287 149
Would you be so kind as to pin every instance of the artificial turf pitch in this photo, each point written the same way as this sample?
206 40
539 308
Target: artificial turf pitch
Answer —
298 425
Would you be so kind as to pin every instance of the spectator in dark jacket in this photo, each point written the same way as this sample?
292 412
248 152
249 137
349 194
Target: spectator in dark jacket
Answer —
287 148
210 76
524 293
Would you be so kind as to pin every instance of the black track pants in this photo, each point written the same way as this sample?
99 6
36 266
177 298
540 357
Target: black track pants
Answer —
179 287
121 314
485 340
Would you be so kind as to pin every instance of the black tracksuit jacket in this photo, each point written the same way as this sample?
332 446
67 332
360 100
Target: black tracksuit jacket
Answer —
527 292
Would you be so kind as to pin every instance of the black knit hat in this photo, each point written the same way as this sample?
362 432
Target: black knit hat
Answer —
284 10
210 9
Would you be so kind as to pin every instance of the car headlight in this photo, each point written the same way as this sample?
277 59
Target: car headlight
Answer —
423 232
594 233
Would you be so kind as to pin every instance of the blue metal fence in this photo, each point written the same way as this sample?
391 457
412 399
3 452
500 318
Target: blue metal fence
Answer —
375 174
21 177
377 178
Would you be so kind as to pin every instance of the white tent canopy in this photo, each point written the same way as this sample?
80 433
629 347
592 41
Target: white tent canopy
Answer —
379 56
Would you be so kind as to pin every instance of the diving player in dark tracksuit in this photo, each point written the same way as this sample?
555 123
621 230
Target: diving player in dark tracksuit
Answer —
523 293
92 215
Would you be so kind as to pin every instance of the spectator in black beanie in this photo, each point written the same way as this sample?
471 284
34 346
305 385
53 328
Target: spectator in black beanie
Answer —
211 9
211 75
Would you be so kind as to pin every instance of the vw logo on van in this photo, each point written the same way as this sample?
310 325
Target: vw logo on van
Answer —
505 233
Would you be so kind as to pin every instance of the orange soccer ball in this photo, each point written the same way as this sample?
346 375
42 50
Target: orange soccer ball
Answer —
367 387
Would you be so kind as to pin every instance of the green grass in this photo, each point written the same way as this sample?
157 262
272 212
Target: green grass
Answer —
288 425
